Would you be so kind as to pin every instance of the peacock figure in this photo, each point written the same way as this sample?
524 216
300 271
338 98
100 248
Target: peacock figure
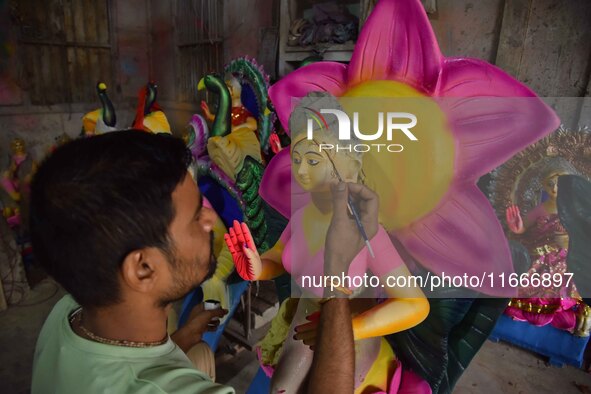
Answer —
100 120
232 154
149 115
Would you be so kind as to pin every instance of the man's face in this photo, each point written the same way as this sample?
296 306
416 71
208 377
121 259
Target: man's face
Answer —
191 241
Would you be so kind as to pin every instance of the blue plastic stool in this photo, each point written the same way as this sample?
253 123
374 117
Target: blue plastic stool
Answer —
261 384
559 345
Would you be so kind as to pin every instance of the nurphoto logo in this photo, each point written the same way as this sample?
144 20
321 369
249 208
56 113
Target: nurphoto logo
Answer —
395 122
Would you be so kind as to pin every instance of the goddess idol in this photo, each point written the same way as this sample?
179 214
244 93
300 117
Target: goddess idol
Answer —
300 252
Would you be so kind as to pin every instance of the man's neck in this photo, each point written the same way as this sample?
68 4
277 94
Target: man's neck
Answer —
126 322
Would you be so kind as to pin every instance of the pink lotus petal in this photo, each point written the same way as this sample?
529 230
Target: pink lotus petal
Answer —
461 236
315 77
279 189
565 320
515 313
538 319
397 42
491 115
465 77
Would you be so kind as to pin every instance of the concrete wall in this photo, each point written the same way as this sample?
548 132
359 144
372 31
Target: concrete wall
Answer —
243 21
468 28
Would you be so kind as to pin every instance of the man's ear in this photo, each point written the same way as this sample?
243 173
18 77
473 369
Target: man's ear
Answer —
141 269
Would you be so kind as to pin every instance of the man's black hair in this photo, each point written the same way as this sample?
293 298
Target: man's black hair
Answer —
95 200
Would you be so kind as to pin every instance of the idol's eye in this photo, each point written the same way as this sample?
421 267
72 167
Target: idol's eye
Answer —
297 160
313 162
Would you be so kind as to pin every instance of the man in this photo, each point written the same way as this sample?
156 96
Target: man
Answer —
118 221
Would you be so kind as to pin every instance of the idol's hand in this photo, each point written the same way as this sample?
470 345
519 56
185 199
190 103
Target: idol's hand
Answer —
514 221
244 251
205 108
343 239
274 143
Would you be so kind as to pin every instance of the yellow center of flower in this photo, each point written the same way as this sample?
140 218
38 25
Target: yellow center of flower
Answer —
412 182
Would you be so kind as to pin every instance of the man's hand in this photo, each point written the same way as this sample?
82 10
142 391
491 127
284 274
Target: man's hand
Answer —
199 322
333 366
343 239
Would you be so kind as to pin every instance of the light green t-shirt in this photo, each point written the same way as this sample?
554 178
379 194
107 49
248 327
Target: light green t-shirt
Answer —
66 363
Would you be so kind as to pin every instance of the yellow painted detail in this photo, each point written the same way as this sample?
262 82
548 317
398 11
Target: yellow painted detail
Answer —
410 183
